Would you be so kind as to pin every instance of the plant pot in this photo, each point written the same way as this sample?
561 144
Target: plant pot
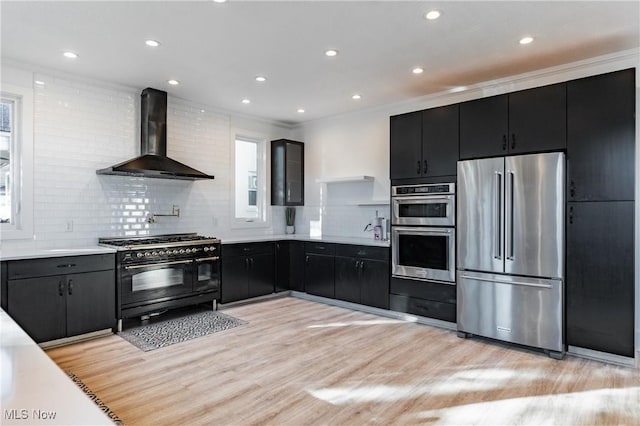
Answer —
290 229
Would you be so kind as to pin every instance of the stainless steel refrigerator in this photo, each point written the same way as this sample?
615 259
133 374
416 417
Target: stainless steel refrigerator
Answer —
510 249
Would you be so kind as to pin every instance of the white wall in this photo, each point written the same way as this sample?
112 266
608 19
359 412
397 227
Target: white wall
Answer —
81 126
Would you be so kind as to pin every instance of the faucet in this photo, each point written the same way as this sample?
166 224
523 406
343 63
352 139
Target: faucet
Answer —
175 212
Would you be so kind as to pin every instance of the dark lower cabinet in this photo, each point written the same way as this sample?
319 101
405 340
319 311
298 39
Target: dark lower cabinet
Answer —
600 276
49 305
319 272
247 271
362 275
425 298
289 266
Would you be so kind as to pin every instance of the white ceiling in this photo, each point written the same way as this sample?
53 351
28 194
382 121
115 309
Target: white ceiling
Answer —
215 50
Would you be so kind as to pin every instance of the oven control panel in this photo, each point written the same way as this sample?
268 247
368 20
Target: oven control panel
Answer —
164 253
445 188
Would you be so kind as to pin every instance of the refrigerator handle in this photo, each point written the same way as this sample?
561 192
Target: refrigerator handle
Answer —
497 244
509 218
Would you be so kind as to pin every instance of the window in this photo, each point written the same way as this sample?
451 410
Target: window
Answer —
249 189
16 162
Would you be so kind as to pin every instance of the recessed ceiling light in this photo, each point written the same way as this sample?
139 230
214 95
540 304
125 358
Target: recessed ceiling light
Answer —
356 97
261 78
246 101
331 52
433 14
201 110
219 1
526 40
300 110
417 70
39 82
458 89
173 82
152 43
70 55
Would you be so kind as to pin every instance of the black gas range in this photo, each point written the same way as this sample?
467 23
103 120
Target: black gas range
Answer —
161 272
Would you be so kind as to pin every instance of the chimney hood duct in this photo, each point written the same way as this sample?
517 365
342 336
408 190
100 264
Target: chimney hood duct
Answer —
153 161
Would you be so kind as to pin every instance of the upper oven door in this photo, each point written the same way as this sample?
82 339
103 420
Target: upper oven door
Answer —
424 253
153 281
429 210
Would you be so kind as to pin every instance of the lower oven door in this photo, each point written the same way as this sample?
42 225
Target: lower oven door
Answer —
207 274
424 253
155 281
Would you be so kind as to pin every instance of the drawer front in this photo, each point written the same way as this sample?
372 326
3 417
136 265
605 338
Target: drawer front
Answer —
29 268
363 252
320 248
422 307
438 292
247 249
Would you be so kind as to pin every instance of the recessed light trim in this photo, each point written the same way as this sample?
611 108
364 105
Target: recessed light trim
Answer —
331 52
39 82
173 82
71 55
417 70
433 14
300 110
219 1
356 97
261 78
526 40
246 101
152 43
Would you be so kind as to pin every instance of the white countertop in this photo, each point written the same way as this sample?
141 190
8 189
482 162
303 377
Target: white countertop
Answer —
303 237
31 383
33 252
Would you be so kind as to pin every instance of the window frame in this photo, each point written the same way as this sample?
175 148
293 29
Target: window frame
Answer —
22 163
262 189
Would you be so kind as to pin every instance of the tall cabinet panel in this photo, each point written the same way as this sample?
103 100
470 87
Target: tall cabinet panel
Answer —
440 141
483 127
406 145
601 137
600 274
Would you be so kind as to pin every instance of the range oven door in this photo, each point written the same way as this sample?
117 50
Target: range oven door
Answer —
141 283
424 210
207 274
424 253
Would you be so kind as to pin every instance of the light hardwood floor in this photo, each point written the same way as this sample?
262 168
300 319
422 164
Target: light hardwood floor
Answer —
298 362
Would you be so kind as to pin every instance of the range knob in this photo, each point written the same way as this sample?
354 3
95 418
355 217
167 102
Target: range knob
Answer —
147 254
175 251
206 249
139 255
162 252
155 253
212 248
181 251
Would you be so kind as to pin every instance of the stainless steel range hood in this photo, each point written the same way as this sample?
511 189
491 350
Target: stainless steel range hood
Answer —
153 161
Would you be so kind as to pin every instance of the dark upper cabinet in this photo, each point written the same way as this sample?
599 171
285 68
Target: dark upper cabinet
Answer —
600 276
601 137
424 143
287 173
527 121
405 145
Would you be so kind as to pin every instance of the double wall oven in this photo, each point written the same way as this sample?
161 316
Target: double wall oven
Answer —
423 232
165 271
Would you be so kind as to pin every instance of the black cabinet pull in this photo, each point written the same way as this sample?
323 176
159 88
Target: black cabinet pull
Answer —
513 140
425 167
60 288
277 246
306 259
571 215
357 264
70 287
67 265
504 142
251 261
246 249
418 169
246 263
572 189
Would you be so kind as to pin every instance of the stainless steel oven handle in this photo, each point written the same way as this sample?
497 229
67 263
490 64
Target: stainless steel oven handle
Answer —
203 259
507 282
147 265
423 198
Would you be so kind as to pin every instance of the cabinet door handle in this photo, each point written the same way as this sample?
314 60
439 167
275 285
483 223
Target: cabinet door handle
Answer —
418 168
277 246
246 263
572 189
67 265
306 259
70 287
571 215
513 140
251 261
425 167
504 142
60 288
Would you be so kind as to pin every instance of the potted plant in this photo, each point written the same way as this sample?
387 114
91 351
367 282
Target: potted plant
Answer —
290 216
